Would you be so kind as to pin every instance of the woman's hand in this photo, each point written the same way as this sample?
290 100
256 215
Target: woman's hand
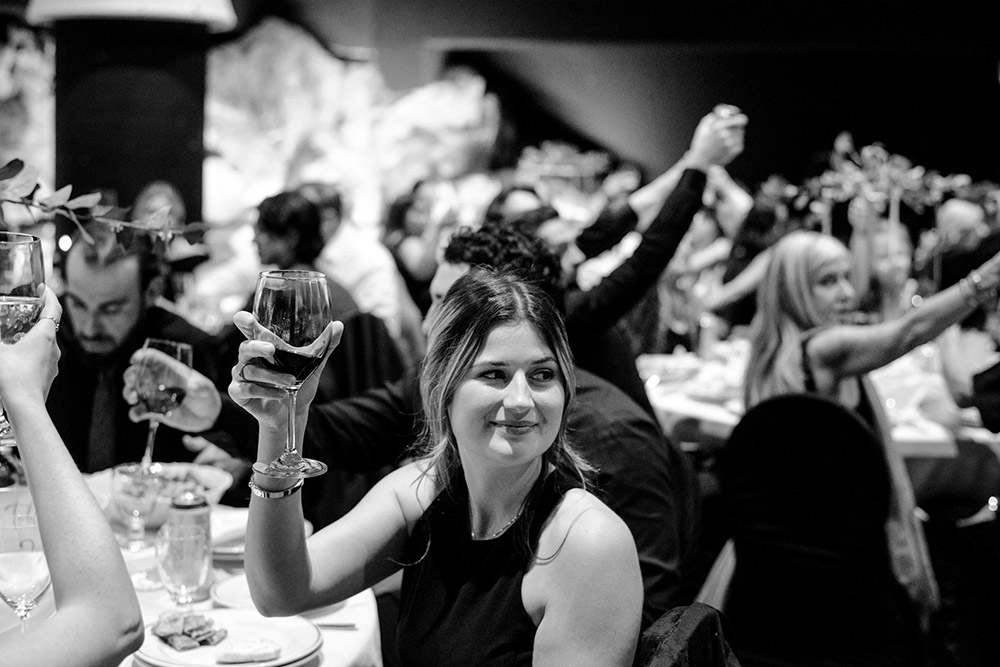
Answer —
266 403
28 367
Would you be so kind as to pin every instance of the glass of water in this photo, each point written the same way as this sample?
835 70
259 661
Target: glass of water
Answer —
24 572
183 559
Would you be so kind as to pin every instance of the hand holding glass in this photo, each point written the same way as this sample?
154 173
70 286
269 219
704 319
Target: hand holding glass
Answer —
293 307
159 388
135 488
183 558
24 572
22 285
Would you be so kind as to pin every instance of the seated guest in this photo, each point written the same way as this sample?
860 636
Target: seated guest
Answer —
109 297
641 475
506 557
97 621
801 341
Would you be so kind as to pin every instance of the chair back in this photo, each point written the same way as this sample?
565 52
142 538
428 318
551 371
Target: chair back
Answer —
806 487
687 636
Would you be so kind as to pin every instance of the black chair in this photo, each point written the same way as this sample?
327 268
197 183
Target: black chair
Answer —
806 488
688 636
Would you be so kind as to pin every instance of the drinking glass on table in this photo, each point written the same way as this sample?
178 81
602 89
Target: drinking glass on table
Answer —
293 307
24 572
22 284
183 559
159 388
135 488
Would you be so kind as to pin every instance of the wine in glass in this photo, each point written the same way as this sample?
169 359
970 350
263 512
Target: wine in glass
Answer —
293 307
160 389
22 285
135 488
183 559
24 573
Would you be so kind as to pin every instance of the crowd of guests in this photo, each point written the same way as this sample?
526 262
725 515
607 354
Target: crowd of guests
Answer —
488 436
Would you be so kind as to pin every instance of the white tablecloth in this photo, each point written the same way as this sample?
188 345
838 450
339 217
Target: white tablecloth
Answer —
687 400
360 647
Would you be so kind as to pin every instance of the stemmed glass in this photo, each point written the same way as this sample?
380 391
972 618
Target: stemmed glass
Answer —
293 307
22 284
159 387
24 572
135 488
183 558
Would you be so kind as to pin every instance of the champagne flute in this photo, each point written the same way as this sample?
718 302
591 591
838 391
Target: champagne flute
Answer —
183 559
159 388
293 307
22 285
135 488
24 572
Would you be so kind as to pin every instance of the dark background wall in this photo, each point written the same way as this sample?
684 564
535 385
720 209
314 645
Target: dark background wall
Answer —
634 76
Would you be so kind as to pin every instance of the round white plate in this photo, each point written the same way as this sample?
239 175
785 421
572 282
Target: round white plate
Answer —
299 640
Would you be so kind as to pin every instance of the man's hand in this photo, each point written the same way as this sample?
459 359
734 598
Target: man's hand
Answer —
717 141
200 407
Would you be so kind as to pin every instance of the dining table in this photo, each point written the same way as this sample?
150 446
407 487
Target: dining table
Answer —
698 401
345 634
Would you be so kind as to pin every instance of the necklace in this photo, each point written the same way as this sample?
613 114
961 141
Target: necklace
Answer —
503 529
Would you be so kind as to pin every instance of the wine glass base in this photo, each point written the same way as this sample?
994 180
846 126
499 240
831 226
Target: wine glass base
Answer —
298 469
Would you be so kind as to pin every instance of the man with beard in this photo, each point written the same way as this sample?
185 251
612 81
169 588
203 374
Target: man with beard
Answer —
108 302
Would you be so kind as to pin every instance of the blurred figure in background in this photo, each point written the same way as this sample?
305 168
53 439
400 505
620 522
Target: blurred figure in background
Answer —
365 268
414 229
802 341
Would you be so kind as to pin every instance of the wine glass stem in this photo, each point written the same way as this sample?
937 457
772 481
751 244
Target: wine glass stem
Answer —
147 457
290 444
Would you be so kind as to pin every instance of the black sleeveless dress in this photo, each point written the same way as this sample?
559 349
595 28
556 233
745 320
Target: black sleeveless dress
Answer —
461 598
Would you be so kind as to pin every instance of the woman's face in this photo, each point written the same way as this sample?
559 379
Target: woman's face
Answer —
891 259
832 291
274 249
508 408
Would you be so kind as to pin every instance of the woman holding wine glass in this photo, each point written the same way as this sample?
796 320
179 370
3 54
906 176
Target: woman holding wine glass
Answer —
97 620
506 557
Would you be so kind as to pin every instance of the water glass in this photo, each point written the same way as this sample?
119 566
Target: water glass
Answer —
24 572
183 559
135 488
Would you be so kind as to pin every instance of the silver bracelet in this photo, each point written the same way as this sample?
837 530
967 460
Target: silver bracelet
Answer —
268 495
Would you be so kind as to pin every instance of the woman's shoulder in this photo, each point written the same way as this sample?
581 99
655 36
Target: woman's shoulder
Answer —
584 527
414 486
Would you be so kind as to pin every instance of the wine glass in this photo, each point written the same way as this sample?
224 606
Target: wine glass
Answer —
160 389
135 488
22 285
183 559
293 307
24 572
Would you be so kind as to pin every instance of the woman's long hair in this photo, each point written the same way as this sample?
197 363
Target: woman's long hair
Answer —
479 302
785 310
